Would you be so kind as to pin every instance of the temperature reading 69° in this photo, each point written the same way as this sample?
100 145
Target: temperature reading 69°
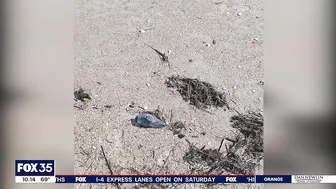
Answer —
45 179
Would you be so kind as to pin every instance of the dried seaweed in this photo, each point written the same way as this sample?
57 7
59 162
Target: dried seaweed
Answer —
81 95
241 157
198 93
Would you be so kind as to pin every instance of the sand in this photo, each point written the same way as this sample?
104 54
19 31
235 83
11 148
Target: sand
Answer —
219 42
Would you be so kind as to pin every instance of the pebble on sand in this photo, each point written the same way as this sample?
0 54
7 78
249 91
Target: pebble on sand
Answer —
181 135
110 138
239 14
208 45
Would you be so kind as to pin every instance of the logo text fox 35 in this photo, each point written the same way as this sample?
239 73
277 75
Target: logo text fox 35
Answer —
34 167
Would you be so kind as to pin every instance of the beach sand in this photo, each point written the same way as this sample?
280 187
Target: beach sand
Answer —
219 42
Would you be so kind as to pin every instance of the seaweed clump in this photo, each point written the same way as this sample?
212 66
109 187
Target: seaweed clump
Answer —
198 93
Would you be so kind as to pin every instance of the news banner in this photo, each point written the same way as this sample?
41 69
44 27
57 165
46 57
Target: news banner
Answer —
43 171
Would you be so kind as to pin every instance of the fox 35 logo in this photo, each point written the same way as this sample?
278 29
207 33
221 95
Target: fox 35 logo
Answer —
34 168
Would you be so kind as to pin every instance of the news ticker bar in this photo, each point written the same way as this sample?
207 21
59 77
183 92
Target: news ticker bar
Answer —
161 179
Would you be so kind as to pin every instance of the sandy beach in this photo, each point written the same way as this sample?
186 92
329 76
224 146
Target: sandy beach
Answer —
219 42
